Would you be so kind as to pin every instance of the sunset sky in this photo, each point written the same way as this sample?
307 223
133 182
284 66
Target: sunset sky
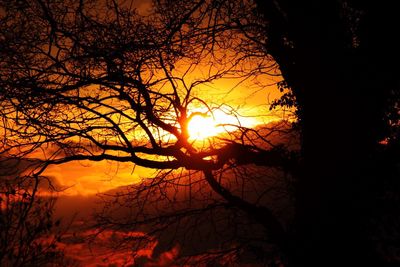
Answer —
163 133
237 102
208 101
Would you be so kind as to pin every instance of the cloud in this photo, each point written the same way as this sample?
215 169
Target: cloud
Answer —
89 178
165 259
84 250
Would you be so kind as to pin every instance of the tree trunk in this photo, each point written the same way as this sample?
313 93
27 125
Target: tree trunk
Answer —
341 94
342 99
332 182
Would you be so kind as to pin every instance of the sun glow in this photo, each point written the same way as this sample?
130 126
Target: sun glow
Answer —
208 125
201 127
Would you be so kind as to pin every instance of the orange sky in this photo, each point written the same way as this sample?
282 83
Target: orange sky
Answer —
88 178
250 98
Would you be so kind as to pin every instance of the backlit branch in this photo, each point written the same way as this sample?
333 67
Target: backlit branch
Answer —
93 81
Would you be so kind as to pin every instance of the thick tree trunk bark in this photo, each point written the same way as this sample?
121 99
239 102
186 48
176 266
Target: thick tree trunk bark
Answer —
341 95
340 123
331 182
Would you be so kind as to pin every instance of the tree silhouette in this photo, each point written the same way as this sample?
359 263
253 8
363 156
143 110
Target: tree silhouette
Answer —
28 235
335 57
97 81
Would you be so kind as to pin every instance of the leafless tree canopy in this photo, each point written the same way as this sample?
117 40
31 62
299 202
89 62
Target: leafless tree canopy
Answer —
28 233
101 80
109 80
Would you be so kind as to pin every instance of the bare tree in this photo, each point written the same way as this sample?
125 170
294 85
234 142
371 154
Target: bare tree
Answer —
29 233
97 81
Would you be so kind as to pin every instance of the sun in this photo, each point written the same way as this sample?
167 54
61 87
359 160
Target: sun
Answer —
202 127
209 124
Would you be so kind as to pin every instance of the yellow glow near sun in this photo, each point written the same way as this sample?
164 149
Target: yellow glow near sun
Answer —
201 127
205 126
